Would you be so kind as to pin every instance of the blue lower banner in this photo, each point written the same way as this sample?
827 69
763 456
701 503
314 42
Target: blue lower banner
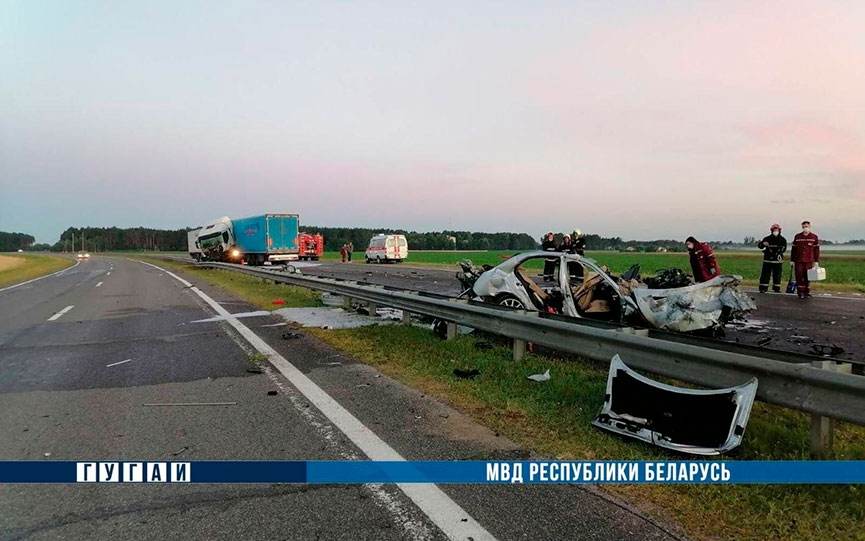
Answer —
436 471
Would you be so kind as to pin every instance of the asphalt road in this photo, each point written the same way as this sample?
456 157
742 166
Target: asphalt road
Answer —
781 321
84 351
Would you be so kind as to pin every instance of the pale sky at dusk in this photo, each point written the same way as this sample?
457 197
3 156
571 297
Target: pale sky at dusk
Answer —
637 119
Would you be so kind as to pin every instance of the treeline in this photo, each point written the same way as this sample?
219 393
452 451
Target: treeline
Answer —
106 239
335 237
12 242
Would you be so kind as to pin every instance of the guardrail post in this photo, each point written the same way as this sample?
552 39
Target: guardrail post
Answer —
519 349
823 428
451 330
346 303
372 308
406 317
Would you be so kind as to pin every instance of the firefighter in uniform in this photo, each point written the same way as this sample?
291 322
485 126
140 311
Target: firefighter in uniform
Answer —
579 246
773 247
548 244
805 254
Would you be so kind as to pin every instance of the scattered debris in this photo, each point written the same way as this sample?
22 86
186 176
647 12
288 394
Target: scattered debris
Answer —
827 350
180 452
765 340
541 377
329 299
335 318
272 393
194 404
255 371
291 335
467 374
483 345
363 385
47 455
274 325
277 302
701 422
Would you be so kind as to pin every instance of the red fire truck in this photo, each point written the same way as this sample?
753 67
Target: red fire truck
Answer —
311 246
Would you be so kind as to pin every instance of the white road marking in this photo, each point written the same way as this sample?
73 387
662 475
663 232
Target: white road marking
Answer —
99 284
453 521
41 277
61 312
115 364
241 314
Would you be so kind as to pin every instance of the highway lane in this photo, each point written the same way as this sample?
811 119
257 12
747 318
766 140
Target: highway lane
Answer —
75 388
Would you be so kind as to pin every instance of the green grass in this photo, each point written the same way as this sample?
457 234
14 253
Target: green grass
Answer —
844 270
34 266
552 418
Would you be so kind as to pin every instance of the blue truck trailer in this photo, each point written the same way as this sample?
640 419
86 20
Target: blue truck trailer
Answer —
269 237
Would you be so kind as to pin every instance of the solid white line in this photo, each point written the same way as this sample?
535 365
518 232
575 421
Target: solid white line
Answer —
115 364
61 312
99 284
41 277
438 506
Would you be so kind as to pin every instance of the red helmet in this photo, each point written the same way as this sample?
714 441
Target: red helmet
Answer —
775 226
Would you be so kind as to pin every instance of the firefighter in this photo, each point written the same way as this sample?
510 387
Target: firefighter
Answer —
568 247
773 247
703 263
804 254
579 242
548 244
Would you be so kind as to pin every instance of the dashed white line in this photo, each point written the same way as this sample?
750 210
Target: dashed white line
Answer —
453 521
99 284
41 277
115 364
61 312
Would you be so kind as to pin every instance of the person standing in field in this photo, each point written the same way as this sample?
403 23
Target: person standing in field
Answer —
548 244
343 251
348 250
773 247
703 263
805 254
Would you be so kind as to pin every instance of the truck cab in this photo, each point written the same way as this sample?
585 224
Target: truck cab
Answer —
216 241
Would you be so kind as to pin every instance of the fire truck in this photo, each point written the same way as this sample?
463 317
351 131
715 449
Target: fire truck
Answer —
311 246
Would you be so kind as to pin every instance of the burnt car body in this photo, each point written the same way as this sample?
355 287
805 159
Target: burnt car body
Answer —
595 293
701 422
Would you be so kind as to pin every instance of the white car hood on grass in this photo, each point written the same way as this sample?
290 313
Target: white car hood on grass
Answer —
694 307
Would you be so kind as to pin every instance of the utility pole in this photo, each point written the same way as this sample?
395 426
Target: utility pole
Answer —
73 241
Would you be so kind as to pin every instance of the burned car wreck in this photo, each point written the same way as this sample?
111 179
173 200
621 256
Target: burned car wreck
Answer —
584 289
702 422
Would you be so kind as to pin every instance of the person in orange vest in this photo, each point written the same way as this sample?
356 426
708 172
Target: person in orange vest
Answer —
703 263
805 254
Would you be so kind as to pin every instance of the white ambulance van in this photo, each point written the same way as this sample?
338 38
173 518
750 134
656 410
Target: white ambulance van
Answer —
383 248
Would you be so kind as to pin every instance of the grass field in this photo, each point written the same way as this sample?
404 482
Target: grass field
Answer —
552 418
17 268
844 271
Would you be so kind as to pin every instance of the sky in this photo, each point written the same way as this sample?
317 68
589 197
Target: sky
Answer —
636 119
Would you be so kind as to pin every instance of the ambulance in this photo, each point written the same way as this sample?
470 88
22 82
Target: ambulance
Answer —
384 248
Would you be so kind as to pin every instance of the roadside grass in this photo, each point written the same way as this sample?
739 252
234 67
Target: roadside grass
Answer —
552 419
254 290
17 268
844 271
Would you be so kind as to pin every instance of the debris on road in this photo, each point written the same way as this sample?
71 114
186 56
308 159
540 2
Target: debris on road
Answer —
291 335
180 452
541 377
257 313
701 422
277 302
335 318
254 371
272 393
827 350
466 374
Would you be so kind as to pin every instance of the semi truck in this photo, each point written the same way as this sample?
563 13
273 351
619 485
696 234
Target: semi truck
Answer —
192 242
253 240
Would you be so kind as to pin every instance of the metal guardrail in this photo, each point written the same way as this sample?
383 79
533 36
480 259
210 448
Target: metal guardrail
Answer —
795 386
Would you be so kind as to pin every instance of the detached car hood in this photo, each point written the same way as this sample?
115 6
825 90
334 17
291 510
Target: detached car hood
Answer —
692 421
695 307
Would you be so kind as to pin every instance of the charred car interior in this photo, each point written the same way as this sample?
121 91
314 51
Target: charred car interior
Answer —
584 289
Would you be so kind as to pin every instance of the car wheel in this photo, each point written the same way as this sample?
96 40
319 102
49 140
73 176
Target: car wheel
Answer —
510 301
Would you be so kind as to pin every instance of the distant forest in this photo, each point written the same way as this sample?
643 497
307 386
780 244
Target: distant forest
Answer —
102 239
